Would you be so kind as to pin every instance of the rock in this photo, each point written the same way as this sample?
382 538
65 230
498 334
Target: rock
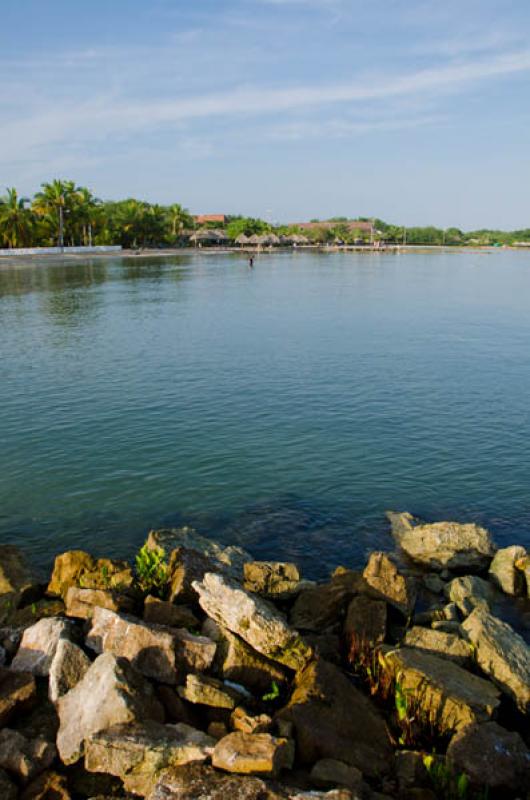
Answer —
18 692
39 645
323 605
29 615
503 571
502 654
491 757
438 643
217 730
440 545
10 638
328 773
209 692
137 753
335 794
241 720
433 583
198 782
19 584
253 619
450 612
325 645
524 566
452 628
77 568
272 579
178 710
155 651
24 758
469 592
68 667
253 753
447 695
236 661
161 612
48 786
365 621
80 603
384 577
41 721
8 790
110 693
333 719
410 770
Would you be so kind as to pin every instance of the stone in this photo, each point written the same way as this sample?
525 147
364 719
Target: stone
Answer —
162 612
326 645
319 607
199 782
450 612
253 620
217 730
382 574
447 695
111 692
24 758
8 790
69 665
441 545
241 720
41 721
18 693
137 753
469 592
209 691
19 584
177 709
334 719
272 579
329 773
10 638
444 625
491 757
156 651
80 603
334 794
438 643
502 654
39 645
410 770
504 573
77 568
365 622
524 566
433 583
253 753
48 786
29 615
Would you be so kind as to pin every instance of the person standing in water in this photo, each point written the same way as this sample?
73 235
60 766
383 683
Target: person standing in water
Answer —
251 261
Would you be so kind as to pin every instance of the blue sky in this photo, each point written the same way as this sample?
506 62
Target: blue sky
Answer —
411 110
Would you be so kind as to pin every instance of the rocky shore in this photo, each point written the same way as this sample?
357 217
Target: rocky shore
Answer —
198 673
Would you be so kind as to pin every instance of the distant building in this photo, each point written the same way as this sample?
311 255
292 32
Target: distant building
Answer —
218 219
351 224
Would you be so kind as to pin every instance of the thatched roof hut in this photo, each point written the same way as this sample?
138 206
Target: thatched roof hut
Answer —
298 238
242 240
209 236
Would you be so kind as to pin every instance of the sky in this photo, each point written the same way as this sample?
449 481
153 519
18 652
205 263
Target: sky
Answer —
413 111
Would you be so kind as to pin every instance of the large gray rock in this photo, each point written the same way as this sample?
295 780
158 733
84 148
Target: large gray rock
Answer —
469 592
383 576
77 568
39 644
328 773
18 692
449 696
504 572
69 665
491 757
438 643
80 603
253 619
137 753
162 612
440 545
253 753
208 691
501 653
22 757
111 692
199 782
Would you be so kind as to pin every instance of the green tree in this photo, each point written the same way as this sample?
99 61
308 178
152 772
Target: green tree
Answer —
16 220
179 219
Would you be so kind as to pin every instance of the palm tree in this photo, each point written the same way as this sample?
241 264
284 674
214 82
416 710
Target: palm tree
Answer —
53 203
16 223
179 218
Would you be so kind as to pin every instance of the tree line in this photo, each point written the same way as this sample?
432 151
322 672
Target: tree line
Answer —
62 213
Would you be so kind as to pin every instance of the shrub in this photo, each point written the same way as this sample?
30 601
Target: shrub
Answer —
152 570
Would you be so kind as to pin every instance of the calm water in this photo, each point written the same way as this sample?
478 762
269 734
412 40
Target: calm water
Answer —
284 407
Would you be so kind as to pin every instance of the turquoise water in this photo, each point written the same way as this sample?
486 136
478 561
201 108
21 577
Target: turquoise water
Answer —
284 407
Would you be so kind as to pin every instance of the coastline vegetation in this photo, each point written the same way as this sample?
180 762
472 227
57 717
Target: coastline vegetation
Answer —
65 213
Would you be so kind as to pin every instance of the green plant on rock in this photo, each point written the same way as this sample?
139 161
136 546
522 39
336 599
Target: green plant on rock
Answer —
152 570
449 785
273 695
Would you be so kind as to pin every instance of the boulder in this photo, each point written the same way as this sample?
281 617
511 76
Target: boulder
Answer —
199 782
209 691
491 757
503 571
253 753
502 654
365 621
433 583
217 730
333 719
162 612
80 603
276 580
328 773
24 758
524 565
382 574
411 771
48 786
69 665
320 607
137 753
19 584
111 692
469 592
40 722
241 720
28 615
441 545
8 790
446 695
18 692
253 620
39 645
77 568
156 651
438 643
326 645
